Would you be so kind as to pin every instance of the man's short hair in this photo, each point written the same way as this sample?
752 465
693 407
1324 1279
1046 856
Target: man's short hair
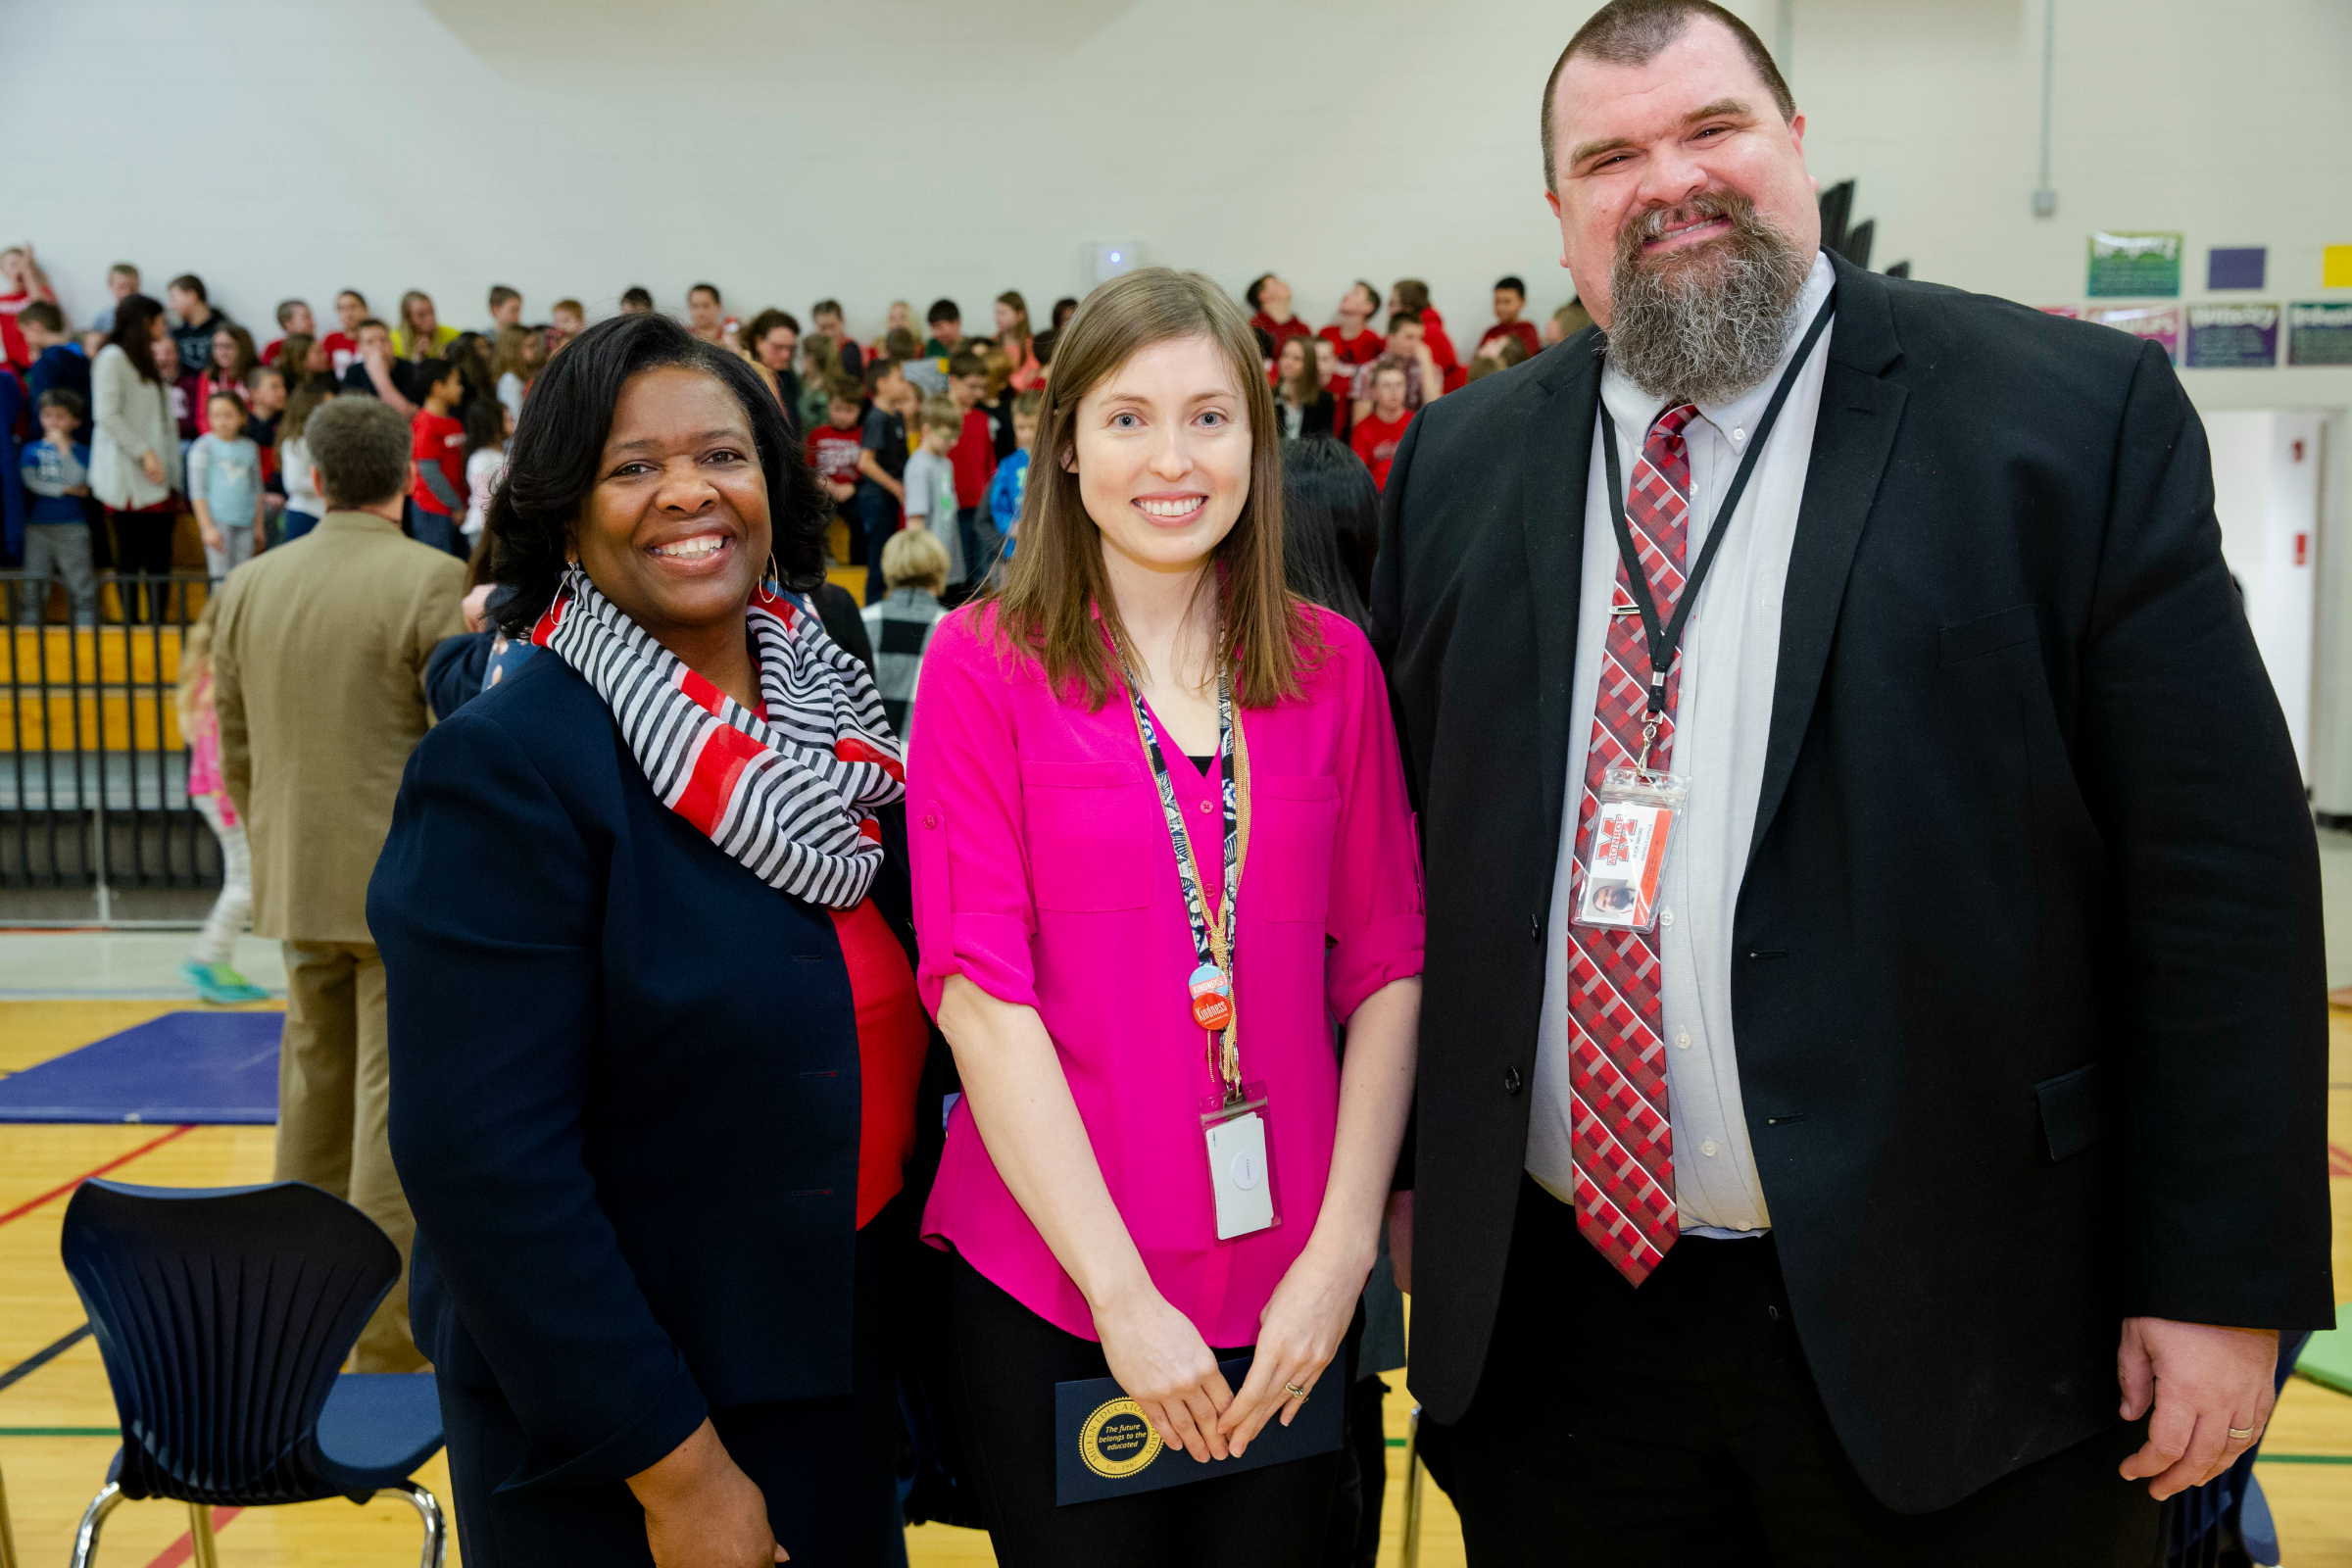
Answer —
1392 367
573 306
44 315
1029 403
942 414
1515 284
1633 33
635 295
361 446
710 289
190 283
965 362
915 558
825 308
124 269
878 371
367 322
942 310
842 387
286 309
500 294
1412 294
1404 319
60 398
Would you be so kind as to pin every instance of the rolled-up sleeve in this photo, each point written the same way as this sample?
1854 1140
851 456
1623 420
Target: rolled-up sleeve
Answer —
1375 923
974 911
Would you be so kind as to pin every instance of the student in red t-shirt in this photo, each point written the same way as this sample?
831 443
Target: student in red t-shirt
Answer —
974 457
1510 298
437 441
1378 433
1413 295
834 446
343 344
1270 298
1352 336
294 320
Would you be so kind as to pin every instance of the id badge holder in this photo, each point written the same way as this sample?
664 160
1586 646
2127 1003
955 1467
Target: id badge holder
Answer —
1633 833
1241 1164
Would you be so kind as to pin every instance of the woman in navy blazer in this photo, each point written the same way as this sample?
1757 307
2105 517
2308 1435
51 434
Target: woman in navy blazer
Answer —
632 1075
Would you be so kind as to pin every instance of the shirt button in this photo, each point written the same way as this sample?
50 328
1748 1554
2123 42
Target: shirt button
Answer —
1665 917
1511 1080
1738 435
930 820
1207 807
1682 1040
1707 1146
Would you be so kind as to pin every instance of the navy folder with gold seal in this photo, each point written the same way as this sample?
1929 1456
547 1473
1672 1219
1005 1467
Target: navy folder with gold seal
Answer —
1105 1447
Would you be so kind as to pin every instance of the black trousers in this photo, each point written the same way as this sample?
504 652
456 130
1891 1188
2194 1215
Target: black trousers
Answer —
1680 1426
142 547
1009 1359
825 1466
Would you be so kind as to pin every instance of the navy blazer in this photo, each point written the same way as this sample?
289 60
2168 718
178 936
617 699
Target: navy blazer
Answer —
625 1097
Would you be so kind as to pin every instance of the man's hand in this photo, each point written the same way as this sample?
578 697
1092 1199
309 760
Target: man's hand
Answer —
700 1511
2205 1383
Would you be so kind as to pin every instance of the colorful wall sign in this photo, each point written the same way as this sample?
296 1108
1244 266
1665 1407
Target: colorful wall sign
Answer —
2145 266
2335 267
2233 337
2159 323
2237 266
2319 333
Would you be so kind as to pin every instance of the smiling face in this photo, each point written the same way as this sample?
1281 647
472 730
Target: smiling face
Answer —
1652 156
224 353
776 348
1162 449
676 532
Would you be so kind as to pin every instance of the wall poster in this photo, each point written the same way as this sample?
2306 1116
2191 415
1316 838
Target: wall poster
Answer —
2142 265
2159 323
2319 333
2233 337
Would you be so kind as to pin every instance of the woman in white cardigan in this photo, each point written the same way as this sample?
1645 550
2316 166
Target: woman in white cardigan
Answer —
134 454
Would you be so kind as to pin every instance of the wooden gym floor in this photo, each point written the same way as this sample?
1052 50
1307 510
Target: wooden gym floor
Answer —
57 1418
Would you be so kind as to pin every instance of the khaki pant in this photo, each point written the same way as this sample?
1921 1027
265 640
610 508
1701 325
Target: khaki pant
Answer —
334 1080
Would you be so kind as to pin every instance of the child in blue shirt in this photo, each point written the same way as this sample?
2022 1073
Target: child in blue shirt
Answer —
1011 482
56 471
224 483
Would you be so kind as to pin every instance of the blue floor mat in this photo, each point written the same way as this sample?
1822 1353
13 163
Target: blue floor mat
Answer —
181 1067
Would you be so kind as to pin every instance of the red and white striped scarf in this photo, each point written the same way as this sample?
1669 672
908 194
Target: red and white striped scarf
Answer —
791 795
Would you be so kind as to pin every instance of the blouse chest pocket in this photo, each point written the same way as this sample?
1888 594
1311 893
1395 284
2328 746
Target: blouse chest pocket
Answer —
1085 822
1293 823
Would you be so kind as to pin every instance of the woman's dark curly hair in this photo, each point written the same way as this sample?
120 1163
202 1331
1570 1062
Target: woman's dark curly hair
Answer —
557 450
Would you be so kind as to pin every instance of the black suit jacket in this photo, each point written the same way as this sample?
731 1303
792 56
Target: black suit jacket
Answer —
625 1089
2028 992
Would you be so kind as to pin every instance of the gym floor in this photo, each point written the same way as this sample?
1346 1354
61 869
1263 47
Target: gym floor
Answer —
59 991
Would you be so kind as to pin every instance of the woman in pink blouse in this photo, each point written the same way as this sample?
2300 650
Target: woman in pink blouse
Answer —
1159 1160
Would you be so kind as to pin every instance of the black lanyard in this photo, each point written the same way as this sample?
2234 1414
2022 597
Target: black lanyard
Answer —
1663 640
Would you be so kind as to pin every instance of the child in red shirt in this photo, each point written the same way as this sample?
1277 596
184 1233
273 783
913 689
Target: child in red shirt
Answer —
834 446
437 441
1510 298
1379 432
1352 336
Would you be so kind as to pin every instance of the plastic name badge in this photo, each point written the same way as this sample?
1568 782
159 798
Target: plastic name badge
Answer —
1632 833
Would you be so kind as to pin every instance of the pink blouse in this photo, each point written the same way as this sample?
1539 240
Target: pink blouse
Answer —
1044 874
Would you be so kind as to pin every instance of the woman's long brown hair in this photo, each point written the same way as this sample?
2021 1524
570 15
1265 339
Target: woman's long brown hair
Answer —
1056 582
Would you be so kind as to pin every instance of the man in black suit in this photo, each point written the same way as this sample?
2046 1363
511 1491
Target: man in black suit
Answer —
1973 1059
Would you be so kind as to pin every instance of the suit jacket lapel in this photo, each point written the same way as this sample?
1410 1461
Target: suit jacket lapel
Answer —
1853 436
1552 515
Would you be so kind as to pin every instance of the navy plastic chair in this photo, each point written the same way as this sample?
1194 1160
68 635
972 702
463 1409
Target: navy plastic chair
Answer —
223 1314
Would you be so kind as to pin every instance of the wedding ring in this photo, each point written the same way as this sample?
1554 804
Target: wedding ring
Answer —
2241 1434
1294 1391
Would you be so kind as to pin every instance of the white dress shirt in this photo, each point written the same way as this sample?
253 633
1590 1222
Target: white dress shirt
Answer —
1731 657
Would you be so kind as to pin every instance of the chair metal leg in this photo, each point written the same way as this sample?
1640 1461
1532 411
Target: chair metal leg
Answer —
199 1536
436 1528
1415 1475
8 1536
85 1539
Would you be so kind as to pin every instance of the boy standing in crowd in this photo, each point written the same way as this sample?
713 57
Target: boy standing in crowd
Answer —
121 283
1012 483
376 372
56 471
834 446
882 464
1381 426
506 308
1510 298
196 320
317 669
914 565
946 329
975 459
224 485
931 481
57 362
568 321
437 441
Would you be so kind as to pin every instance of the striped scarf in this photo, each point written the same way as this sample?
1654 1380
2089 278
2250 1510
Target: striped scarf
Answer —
791 795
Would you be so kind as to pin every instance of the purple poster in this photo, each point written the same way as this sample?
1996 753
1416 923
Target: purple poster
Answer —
2160 324
2233 337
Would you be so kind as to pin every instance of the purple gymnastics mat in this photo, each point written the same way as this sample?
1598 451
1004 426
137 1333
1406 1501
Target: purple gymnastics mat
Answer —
181 1067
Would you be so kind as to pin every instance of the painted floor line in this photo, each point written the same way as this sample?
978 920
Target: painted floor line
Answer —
119 1160
184 1548
109 993
41 1358
61 1432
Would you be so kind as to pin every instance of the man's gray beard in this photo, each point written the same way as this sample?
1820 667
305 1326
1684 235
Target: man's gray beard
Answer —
1706 330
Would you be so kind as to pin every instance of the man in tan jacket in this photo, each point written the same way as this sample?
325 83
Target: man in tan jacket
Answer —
319 664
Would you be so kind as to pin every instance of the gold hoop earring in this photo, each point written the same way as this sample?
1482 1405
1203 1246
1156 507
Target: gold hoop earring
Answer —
773 575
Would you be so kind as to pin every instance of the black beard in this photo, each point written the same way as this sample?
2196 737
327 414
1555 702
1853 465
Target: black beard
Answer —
1708 323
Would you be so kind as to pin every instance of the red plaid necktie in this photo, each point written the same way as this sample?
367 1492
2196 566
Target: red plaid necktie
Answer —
1619 1132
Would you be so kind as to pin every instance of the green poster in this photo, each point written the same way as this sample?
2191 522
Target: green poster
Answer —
2135 266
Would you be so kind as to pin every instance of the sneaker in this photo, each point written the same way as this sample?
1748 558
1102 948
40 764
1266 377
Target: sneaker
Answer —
217 982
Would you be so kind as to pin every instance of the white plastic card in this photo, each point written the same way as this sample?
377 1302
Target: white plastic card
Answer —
1239 1175
1634 829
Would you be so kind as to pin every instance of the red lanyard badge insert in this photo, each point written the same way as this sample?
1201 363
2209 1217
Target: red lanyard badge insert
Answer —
1233 1121
1640 807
